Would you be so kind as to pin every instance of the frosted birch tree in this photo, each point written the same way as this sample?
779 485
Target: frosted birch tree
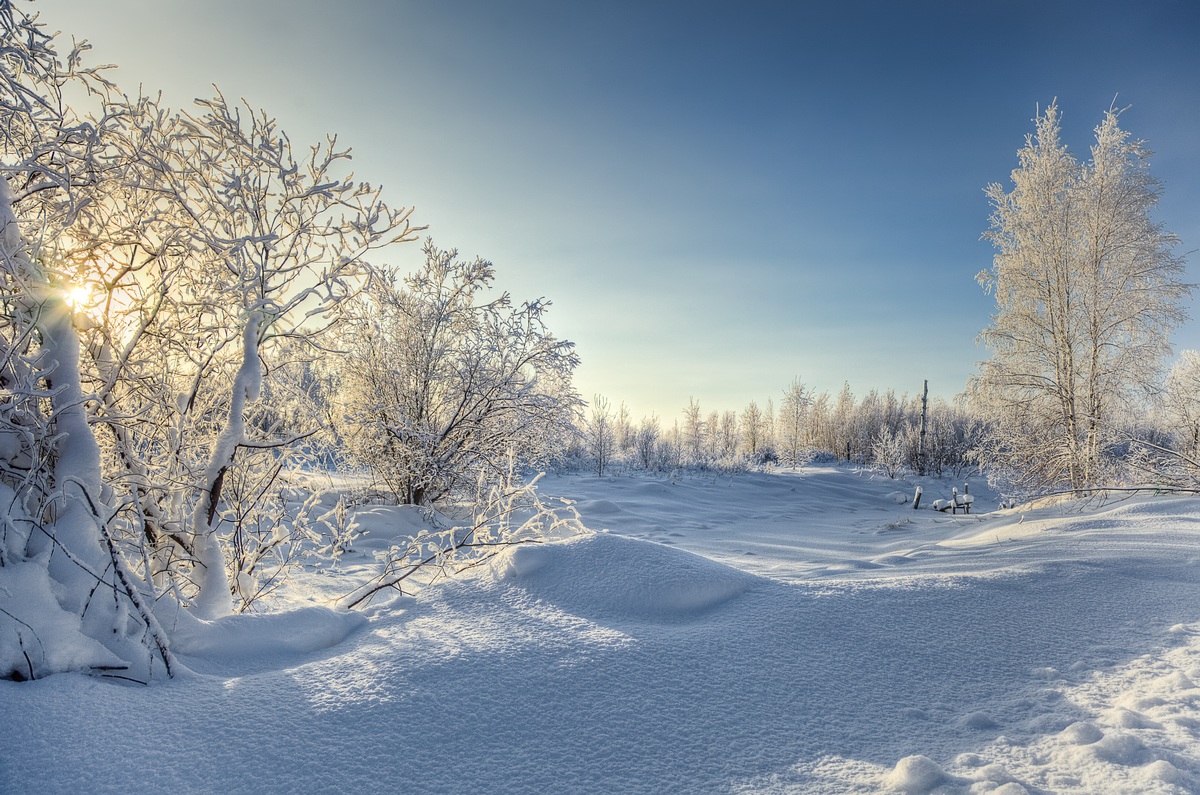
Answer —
729 434
752 429
694 431
212 251
1087 290
68 600
793 422
600 433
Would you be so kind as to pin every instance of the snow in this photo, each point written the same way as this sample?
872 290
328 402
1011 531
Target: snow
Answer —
915 774
48 637
606 577
784 632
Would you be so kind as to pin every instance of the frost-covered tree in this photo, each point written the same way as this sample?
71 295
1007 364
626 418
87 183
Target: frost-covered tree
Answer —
729 434
623 430
647 444
694 433
68 599
217 252
152 263
440 382
712 436
1174 453
752 429
1087 290
768 441
792 423
842 421
1181 404
819 431
601 440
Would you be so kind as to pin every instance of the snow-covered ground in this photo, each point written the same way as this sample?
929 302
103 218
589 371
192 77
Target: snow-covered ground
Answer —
767 632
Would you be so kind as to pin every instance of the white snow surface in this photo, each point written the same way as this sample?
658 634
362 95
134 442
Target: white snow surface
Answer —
782 632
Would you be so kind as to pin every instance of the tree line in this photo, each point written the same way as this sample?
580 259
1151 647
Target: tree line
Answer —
879 430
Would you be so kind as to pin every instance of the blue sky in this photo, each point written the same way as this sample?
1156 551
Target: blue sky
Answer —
717 198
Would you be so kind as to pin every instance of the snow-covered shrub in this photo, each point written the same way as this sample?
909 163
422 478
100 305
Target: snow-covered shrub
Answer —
888 453
437 382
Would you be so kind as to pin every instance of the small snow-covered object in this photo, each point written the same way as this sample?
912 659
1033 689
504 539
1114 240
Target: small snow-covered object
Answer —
915 774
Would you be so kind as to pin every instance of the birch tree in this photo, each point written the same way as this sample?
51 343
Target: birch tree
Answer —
1087 290
68 600
600 434
752 429
694 431
793 422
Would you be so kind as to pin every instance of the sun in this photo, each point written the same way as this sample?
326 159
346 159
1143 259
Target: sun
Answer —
79 296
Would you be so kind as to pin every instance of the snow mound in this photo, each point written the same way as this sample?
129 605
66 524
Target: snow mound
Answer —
1164 771
978 721
1128 719
1122 749
608 576
1081 733
1011 788
915 774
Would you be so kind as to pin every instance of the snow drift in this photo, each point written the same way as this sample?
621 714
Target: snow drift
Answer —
604 576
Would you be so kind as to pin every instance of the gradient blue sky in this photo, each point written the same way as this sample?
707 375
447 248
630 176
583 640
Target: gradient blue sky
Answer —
716 197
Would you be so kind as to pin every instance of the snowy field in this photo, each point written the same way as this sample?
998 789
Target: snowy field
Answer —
780 632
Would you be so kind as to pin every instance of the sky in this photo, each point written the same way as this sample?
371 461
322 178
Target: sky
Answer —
717 199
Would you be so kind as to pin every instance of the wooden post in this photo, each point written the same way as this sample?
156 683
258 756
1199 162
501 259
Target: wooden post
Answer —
921 442
917 499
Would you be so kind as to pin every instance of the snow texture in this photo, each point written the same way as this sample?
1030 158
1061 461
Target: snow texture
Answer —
764 633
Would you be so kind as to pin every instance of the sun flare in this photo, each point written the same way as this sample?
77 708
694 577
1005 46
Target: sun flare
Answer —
80 296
